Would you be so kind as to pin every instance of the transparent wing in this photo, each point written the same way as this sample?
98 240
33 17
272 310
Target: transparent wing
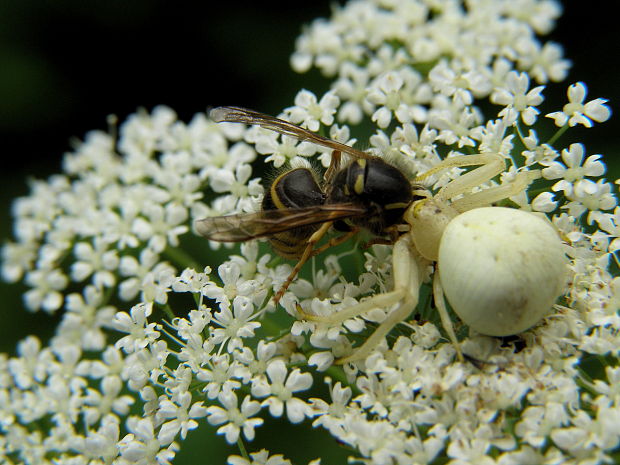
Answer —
246 226
243 115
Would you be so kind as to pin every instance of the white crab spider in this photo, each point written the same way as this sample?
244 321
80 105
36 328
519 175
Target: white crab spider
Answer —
501 269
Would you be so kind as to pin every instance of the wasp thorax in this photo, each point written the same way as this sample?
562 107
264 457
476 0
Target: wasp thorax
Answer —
501 269
379 186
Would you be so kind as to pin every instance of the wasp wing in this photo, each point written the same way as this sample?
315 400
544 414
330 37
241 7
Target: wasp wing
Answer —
243 115
246 226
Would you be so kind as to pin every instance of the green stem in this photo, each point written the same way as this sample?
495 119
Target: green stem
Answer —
558 134
242 450
168 311
517 128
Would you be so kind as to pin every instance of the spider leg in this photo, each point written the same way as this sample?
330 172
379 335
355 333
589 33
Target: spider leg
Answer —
494 194
446 321
490 165
407 279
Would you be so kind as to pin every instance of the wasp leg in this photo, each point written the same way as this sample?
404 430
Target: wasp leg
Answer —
334 166
336 241
316 237
310 252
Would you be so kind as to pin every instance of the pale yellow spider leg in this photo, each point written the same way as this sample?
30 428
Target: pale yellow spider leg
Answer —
491 164
406 271
464 160
386 299
406 307
487 197
446 321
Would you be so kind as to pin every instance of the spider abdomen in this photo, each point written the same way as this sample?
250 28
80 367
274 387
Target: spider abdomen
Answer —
501 269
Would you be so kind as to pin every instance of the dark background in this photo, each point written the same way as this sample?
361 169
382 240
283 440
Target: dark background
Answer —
65 65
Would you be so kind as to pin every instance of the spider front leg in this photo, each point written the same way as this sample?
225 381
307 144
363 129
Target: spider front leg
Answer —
407 268
489 166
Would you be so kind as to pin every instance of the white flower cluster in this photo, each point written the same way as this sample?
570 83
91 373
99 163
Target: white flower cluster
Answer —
145 322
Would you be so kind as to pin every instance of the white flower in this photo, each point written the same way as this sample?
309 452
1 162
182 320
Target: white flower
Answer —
191 281
142 447
257 363
162 225
138 270
575 170
455 125
330 415
102 443
32 364
398 92
219 155
279 148
465 451
610 223
233 284
182 417
590 434
46 285
576 112
542 62
219 375
145 365
386 94
310 113
234 419
16 259
140 331
281 388
235 325
537 153
544 202
516 96
85 318
536 422
590 196
452 79
351 88
107 401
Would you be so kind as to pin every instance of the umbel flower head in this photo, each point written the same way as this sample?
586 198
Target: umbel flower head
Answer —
186 331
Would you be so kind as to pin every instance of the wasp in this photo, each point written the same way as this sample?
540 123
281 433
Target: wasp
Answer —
298 210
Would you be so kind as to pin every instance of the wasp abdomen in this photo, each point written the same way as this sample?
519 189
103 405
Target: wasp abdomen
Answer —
293 189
